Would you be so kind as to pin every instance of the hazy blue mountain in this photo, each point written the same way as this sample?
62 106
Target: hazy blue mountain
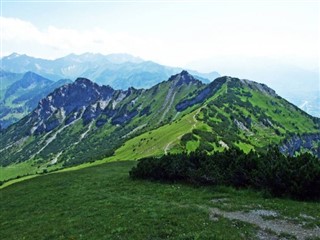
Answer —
7 78
120 71
21 63
30 83
19 97
308 101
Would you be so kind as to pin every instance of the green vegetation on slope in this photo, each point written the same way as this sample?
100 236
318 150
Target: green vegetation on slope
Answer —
96 132
102 202
250 119
171 117
159 141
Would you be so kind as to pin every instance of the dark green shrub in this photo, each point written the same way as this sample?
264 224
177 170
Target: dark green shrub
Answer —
272 172
188 137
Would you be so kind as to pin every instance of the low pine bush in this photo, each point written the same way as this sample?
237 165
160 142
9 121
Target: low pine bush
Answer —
280 175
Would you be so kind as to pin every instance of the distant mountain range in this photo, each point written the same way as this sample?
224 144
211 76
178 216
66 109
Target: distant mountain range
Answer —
119 71
83 121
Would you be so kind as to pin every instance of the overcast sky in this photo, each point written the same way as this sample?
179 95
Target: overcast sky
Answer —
175 33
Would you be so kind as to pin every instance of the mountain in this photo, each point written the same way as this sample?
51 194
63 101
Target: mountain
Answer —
20 97
84 121
120 71
6 79
29 80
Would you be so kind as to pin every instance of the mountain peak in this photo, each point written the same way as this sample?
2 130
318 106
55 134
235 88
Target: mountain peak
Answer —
119 58
183 78
33 77
90 85
13 55
81 80
30 74
184 73
260 87
236 82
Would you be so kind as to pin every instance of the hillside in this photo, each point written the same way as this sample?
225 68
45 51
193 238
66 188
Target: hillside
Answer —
83 122
102 202
243 114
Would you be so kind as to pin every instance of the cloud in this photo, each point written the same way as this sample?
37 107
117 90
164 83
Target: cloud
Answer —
22 36
14 29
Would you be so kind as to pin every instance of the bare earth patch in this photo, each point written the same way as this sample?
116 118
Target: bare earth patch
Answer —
279 227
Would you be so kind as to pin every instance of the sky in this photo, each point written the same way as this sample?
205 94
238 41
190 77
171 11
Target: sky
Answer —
175 33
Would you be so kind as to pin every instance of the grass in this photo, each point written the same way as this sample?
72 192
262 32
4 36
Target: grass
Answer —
244 146
19 169
289 117
102 202
154 142
192 146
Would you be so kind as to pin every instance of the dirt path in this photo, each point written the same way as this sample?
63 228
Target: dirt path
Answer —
167 147
134 130
195 119
277 226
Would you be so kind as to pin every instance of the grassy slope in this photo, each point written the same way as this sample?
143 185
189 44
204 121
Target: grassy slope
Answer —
147 144
292 119
24 169
155 142
101 202
16 170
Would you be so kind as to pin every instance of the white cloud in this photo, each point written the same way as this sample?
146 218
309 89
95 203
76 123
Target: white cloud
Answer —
176 48
14 29
24 37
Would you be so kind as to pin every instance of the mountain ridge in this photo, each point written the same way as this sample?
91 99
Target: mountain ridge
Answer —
117 70
84 121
